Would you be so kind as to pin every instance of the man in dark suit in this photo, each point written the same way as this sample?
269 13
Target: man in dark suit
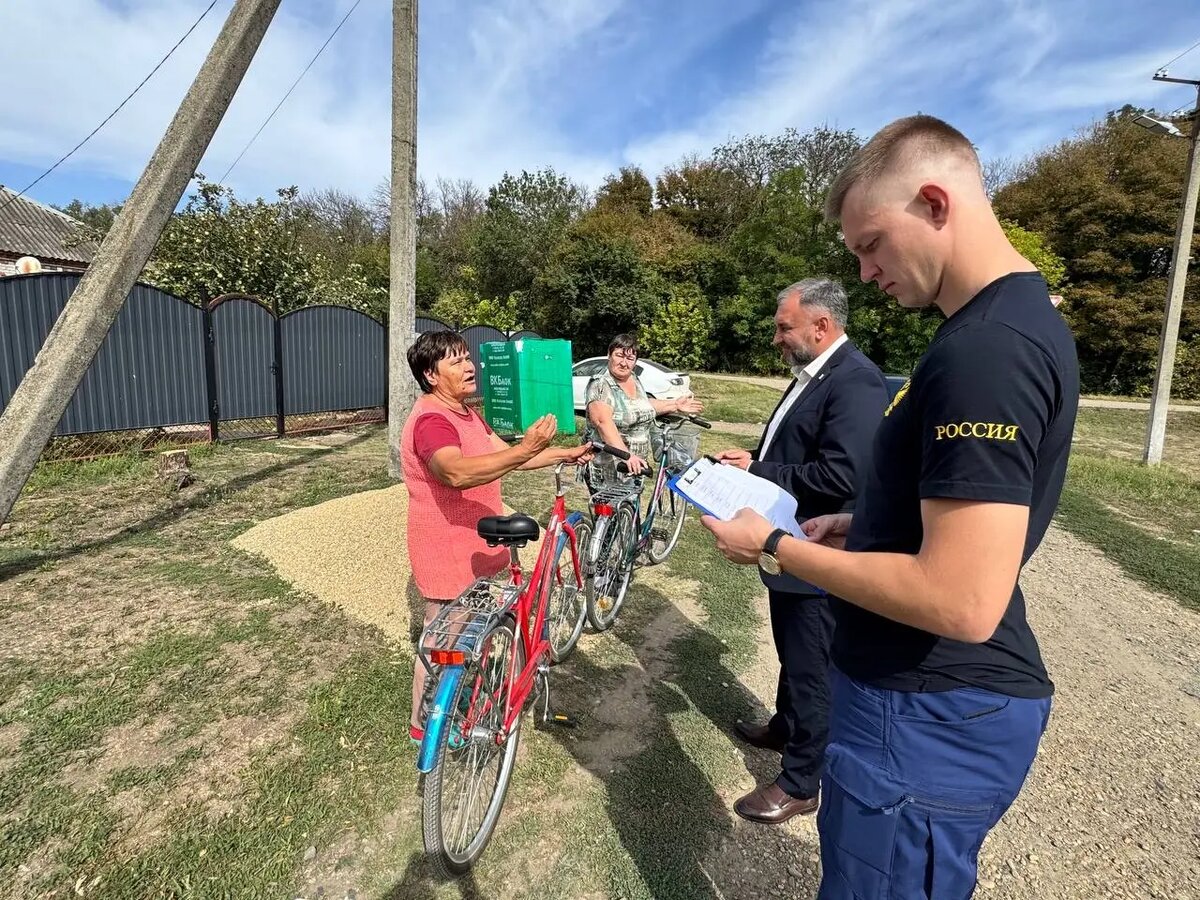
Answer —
816 446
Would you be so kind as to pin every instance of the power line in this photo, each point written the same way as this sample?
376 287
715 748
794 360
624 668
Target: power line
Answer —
267 121
114 112
1181 55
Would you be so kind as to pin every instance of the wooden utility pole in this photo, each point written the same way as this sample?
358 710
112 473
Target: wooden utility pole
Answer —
47 388
1160 400
402 310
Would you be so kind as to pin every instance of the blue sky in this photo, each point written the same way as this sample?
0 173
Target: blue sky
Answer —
583 85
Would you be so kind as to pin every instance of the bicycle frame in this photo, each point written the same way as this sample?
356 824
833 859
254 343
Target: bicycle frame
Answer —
660 485
530 609
537 590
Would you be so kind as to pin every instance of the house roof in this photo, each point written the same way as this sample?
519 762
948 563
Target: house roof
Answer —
29 228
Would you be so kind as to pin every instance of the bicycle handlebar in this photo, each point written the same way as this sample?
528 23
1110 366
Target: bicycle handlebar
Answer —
647 470
598 446
676 420
601 447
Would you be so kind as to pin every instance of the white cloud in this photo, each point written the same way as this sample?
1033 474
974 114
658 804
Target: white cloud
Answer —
505 84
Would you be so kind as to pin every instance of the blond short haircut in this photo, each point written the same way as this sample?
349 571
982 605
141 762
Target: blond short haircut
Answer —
900 144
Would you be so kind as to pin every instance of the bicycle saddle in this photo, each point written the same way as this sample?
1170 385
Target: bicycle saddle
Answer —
509 531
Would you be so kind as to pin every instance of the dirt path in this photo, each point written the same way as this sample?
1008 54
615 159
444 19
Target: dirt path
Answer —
1112 807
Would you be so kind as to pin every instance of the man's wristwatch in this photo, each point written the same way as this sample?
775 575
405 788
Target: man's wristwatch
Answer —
767 560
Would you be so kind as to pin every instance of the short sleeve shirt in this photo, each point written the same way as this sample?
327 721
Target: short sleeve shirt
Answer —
634 418
433 432
988 415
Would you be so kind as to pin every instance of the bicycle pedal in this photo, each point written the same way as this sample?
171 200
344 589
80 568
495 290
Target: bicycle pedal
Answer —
562 719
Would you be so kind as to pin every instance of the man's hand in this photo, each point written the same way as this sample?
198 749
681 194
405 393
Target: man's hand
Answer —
741 539
828 530
539 435
739 458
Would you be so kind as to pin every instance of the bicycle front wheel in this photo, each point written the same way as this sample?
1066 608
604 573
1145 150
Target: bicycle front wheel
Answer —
566 611
612 567
464 791
669 512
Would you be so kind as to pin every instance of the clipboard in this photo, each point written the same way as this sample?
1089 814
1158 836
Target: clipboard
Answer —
720 491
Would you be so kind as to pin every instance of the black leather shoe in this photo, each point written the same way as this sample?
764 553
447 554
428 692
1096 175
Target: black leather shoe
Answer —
772 805
759 736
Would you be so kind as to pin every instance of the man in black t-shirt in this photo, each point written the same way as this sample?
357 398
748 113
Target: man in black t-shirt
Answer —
940 696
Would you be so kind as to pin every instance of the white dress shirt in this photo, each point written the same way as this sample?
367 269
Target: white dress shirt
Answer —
804 376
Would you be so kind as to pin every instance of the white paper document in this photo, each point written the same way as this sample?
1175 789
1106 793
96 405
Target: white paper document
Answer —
720 490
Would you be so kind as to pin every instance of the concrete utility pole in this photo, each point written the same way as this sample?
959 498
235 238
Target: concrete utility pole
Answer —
402 310
1156 432
48 386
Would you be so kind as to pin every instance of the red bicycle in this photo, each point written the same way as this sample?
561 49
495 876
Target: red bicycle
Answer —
491 650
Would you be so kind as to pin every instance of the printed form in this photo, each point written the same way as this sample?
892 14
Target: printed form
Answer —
720 490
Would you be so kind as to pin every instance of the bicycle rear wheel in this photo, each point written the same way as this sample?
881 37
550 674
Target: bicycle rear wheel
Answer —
464 791
566 609
612 566
670 510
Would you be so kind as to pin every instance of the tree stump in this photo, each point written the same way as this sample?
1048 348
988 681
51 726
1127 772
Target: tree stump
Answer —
173 469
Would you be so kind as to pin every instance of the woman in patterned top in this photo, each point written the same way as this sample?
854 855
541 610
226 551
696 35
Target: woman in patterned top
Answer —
619 412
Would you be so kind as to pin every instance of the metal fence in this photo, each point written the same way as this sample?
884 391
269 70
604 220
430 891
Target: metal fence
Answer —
170 372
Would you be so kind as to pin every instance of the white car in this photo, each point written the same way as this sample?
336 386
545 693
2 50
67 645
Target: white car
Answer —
659 382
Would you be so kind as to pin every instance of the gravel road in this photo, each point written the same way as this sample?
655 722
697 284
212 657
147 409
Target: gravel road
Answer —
1112 807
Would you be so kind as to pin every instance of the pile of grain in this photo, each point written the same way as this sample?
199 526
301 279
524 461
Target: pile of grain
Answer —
349 552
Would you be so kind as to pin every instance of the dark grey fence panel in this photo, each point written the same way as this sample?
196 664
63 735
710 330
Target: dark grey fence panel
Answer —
477 335
334 358
517 335
428 323
29 307
148 372
244 340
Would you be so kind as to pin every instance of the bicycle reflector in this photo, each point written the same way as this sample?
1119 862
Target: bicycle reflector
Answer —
447 657
604 509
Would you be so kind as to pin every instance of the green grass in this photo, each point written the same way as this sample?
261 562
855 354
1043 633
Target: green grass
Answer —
1161 565
733 401
93 472
1147 520
1121 434
644 826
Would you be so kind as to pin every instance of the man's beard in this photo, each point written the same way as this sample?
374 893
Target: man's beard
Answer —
801 357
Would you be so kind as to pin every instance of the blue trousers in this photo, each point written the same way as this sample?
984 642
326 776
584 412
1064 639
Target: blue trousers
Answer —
913 783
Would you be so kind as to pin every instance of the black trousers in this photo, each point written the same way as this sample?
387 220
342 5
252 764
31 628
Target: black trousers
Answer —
802 626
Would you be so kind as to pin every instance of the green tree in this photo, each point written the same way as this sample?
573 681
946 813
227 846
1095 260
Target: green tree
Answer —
681 332
592 288
1106 202
1032 246
460 307
97 218
706 199
524 220
629 190
219 244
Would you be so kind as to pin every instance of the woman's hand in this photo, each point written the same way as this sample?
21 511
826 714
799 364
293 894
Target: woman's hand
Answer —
580 455
828 530
539 435
636 464
689 405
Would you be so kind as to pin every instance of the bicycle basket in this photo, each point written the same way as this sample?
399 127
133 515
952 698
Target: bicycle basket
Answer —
683 449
